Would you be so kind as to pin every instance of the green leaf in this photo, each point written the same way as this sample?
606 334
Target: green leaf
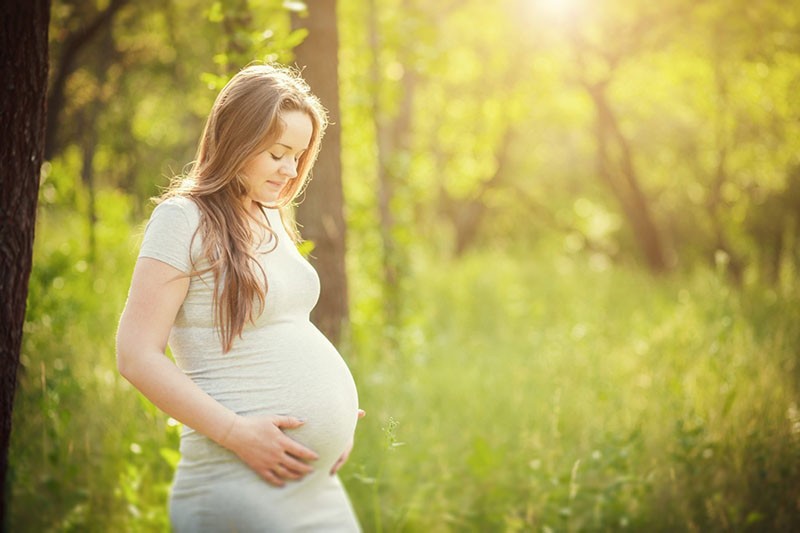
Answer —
171 456
214 13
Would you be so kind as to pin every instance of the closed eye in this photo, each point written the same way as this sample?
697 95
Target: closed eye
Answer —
279 157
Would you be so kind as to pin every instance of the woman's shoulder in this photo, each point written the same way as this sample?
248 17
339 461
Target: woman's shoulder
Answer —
180 201
174 217
178 206
169 235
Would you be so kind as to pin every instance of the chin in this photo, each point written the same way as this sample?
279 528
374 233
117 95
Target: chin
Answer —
267 198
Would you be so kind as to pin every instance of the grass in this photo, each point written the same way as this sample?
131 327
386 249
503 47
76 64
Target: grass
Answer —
553 397
530 393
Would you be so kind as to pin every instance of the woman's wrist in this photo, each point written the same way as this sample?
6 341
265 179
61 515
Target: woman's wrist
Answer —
224 439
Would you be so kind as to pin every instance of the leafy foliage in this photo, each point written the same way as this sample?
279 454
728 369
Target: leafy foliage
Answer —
537 377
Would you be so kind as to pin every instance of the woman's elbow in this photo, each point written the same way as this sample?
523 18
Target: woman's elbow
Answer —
125 354
123 364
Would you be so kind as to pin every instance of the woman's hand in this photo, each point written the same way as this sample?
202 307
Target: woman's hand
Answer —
273 455
343 458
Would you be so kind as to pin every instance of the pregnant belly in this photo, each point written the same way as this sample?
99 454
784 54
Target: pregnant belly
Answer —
292 370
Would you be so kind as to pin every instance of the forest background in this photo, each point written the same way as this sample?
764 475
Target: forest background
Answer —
572 250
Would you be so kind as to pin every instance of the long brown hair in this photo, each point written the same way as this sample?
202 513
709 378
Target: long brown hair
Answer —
246 116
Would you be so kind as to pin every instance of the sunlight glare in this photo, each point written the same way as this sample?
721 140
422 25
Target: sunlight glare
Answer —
559 8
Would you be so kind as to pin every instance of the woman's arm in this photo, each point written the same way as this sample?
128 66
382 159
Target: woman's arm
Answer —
157 292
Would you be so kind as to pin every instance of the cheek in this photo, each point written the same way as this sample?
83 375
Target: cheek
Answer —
258 168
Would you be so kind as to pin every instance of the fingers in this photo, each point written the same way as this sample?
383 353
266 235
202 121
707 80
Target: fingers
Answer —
276 457
286 473
298 450
290 445
289 470
272 478
337 466
297 466
361 413
341 461
288 422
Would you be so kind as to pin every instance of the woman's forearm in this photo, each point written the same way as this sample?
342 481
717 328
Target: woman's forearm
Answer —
157 292
172 391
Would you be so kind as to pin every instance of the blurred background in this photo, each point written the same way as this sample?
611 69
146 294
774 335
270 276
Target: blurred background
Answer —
570 233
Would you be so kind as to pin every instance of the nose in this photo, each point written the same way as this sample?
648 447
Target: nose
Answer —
289 169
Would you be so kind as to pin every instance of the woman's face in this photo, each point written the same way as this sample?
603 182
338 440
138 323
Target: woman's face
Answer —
271 169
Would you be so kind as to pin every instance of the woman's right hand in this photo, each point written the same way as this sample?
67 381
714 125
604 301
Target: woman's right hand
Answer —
260 443
157 292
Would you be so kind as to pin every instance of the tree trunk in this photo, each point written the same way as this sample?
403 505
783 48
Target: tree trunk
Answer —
385 185
89 125
393 138
321 214
23 64
622 178
66 65
469 214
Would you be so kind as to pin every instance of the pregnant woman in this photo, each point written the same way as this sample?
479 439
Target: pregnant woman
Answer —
268 405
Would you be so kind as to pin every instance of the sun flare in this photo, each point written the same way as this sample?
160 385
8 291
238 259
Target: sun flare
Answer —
559 8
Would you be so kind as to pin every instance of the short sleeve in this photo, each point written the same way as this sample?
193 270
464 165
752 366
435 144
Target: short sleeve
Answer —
168 234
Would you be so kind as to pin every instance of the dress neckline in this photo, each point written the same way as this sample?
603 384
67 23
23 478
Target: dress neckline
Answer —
270 237
263 209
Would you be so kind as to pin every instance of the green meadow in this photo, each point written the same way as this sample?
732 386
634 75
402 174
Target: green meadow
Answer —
539 391
572 249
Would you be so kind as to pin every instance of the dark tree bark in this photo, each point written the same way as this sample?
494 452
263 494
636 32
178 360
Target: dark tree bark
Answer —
321 214
23 67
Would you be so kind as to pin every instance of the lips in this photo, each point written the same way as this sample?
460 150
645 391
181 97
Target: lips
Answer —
278 184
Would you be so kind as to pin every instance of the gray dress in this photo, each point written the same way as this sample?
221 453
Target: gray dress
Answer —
281 365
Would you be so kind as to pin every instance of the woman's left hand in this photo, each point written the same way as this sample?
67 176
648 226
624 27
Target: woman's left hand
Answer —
343 458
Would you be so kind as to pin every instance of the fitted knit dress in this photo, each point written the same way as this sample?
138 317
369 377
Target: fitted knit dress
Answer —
281 365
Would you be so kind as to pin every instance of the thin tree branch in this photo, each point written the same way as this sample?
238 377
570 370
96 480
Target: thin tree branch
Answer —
66 66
